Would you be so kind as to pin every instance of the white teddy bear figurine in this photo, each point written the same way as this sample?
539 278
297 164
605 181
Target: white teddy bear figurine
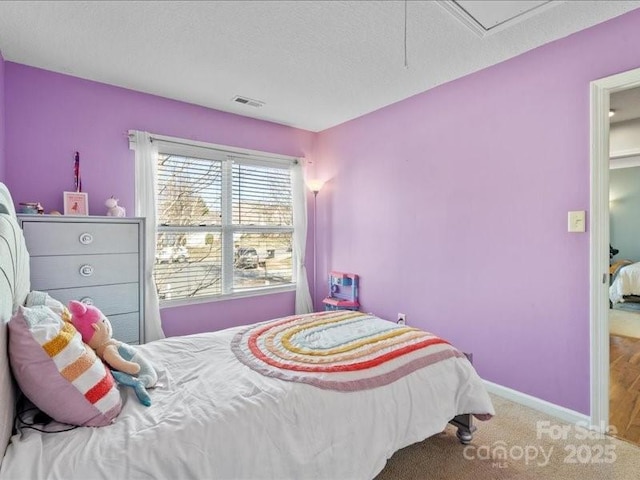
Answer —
113 209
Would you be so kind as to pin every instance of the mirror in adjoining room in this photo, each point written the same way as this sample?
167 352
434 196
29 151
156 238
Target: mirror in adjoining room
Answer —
624 290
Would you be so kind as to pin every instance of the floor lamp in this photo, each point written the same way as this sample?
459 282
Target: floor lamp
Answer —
315 186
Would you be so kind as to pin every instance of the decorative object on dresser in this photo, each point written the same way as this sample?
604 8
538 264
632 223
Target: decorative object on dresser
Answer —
113 209
76 203
77 181
31 208
96 260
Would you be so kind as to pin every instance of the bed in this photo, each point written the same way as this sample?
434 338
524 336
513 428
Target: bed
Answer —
625 282
229 406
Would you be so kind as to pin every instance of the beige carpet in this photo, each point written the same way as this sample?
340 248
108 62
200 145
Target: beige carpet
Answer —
514 428
623 323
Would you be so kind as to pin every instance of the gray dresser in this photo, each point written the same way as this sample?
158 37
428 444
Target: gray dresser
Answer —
96 260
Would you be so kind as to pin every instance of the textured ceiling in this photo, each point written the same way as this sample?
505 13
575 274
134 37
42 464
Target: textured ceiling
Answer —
315 64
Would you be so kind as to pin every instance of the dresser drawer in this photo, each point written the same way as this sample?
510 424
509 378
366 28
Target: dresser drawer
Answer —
110 299
126 327
80 238
49 273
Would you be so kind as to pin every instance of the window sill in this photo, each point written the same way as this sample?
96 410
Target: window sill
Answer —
230 296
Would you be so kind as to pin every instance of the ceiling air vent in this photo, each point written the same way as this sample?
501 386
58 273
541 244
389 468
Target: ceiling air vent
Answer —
248 101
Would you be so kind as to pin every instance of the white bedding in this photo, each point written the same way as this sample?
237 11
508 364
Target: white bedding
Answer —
627 282
215 418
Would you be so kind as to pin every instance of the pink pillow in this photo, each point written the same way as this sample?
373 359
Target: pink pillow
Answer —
59 373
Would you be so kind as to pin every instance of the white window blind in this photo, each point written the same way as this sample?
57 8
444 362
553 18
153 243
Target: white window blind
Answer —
225 223
261 196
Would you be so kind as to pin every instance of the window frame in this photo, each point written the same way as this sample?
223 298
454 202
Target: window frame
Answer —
228 156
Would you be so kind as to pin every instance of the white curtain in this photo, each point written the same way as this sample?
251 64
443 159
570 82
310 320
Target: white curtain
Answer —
146 157
299 194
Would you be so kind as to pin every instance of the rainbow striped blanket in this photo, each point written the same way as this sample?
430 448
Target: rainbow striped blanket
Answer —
338 350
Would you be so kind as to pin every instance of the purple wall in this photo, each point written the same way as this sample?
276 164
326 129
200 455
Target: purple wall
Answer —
2 121
53 115
452 206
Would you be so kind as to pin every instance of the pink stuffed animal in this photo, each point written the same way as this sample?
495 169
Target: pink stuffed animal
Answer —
131 368
96 332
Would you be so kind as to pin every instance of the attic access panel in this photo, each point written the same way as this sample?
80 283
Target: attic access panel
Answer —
487 17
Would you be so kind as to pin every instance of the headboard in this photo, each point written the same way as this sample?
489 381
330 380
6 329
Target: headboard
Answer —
14 287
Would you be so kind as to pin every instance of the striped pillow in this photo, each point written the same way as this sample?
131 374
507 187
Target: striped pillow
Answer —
59 373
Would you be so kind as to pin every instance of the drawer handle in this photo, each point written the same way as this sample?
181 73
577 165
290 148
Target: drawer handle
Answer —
87 300
86 238
86 270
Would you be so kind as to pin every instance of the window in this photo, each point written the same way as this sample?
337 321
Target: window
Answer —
225 223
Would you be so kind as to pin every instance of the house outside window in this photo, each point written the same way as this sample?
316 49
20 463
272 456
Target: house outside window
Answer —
224 224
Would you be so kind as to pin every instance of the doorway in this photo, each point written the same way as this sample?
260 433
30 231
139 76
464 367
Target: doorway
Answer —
624 270
601 91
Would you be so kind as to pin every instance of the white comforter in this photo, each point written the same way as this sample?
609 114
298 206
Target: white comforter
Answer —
627 282
215 418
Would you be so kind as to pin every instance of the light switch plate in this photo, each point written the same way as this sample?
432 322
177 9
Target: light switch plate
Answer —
577 220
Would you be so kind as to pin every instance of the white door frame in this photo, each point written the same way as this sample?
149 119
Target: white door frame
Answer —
599 240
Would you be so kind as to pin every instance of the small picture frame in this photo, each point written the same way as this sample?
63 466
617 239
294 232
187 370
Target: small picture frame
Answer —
76 203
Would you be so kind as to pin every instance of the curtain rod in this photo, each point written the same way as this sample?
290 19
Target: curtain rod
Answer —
219 148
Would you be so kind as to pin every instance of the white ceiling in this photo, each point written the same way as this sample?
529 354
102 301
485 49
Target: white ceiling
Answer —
315 64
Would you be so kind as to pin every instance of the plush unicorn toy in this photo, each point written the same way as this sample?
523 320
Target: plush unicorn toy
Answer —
113 209
129 366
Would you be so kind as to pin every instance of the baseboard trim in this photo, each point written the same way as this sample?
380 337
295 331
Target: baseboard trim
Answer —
562 413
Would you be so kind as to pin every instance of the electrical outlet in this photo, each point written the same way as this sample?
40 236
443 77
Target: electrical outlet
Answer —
402 319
